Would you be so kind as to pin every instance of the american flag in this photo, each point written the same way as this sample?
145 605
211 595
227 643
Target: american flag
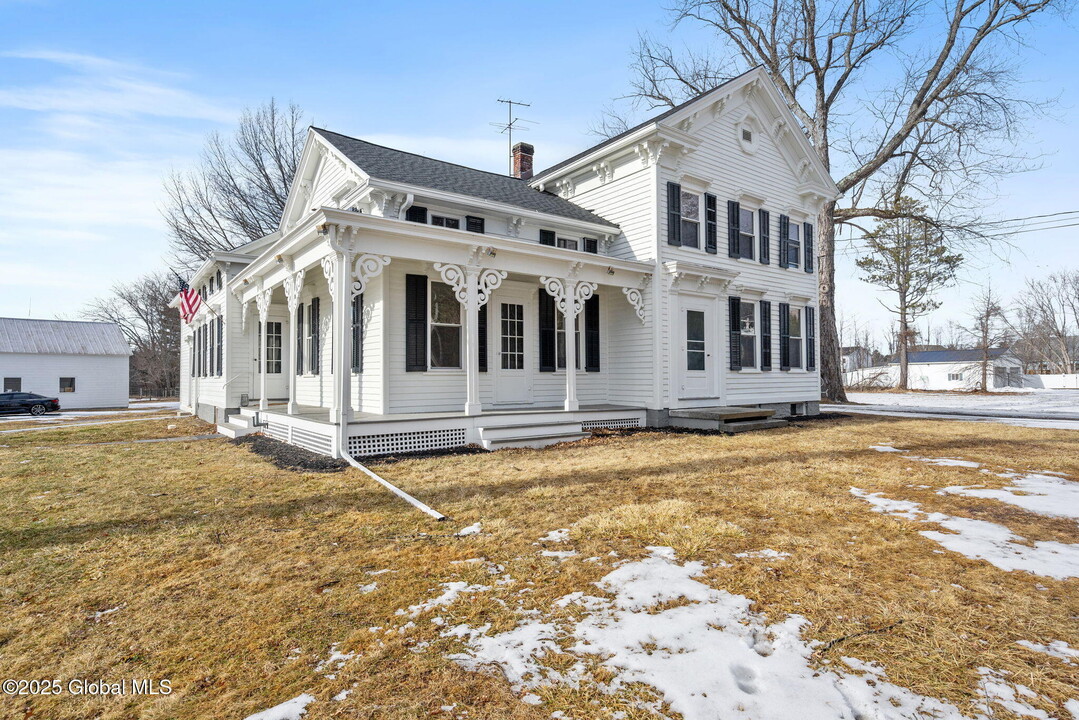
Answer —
190 302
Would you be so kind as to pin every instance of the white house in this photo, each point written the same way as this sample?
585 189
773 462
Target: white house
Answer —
945 370
83 364
407 303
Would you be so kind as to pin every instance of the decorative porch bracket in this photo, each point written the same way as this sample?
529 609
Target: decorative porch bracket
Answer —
262 302
366 268
570 296
472 286
636 297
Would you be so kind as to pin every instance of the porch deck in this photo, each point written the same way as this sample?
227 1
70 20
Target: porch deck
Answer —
317 414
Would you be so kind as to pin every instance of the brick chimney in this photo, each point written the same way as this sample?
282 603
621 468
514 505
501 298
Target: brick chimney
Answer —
522 160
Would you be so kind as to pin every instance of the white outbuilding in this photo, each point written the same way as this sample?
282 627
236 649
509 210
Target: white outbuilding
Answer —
84 364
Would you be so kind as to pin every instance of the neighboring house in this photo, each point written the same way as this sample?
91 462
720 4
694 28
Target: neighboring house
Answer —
84 364
960 369
855 358
670 267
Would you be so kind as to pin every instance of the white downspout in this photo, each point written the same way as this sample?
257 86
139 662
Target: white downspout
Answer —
393 488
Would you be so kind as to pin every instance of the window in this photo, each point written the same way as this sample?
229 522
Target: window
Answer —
748 329
314 349
695 346
955 377
67 384
795 351
560 339
591 245
273 347
567 243
12 384
793 245
745 232
445 314
357 333
691 219
446 222
747 134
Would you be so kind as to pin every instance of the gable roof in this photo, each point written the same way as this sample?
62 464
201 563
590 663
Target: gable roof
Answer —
383 163
942 356
61 337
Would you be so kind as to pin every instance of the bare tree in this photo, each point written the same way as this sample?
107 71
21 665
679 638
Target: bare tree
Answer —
899 97
1048 320
989 329
909 258
238 192
152 328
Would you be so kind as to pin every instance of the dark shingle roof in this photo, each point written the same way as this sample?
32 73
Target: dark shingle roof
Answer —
940 356
385 163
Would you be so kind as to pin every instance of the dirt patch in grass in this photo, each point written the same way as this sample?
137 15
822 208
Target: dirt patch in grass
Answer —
206 564
290 457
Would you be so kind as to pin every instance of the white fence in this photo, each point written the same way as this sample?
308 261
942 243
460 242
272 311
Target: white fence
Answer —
1069 382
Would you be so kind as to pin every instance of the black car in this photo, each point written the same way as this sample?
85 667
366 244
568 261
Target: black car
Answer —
20 402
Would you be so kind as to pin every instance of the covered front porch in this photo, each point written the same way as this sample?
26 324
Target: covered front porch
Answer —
446 352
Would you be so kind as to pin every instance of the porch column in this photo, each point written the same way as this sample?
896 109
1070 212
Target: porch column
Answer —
330 265
262 302
570 296
293 286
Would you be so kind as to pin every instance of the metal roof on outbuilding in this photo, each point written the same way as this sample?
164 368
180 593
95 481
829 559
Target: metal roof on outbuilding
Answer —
61 337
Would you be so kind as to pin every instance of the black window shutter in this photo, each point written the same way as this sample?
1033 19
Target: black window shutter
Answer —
416 214
316 340
674 214
590 245
591 334
811 339
357 333
734 316
547 338
807 243
416 323
711 222
734 220
474 224
784 233
766 335
765 228
481 328
299 338
784 336
547 237
220 346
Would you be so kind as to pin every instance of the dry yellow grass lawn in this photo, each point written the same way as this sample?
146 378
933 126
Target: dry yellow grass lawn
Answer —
233 579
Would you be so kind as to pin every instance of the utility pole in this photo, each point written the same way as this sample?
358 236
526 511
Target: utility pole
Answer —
510 124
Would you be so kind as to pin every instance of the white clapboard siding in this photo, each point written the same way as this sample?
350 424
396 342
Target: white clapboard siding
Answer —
101 381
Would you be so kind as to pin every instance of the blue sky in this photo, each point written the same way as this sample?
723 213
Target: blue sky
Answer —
99 101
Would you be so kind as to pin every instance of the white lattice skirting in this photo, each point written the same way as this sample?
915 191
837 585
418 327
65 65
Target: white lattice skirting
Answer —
613 424
363 445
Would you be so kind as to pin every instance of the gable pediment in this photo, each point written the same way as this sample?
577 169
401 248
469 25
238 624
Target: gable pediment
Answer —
324 177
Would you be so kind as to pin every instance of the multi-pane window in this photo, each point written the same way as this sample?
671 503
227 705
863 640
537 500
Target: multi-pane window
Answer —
793 245
447 222
12 384
560 339
745 233
273 347
748 327
795 352
67 384
445 327
695 343
691 219
567 243
513 336
955 377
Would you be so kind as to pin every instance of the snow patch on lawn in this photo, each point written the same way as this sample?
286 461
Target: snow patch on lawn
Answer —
983 540
473 529
293 709
1056 648
1036 492
998 691
766 553
708 656
560 554
450 591
560 535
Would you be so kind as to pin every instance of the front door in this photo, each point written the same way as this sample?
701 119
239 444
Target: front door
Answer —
276 360
696 359
513 362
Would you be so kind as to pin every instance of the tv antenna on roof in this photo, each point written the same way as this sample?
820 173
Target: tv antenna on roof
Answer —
511 124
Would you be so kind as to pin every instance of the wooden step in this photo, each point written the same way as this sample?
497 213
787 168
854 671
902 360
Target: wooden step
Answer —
535 440
496 432
722 413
